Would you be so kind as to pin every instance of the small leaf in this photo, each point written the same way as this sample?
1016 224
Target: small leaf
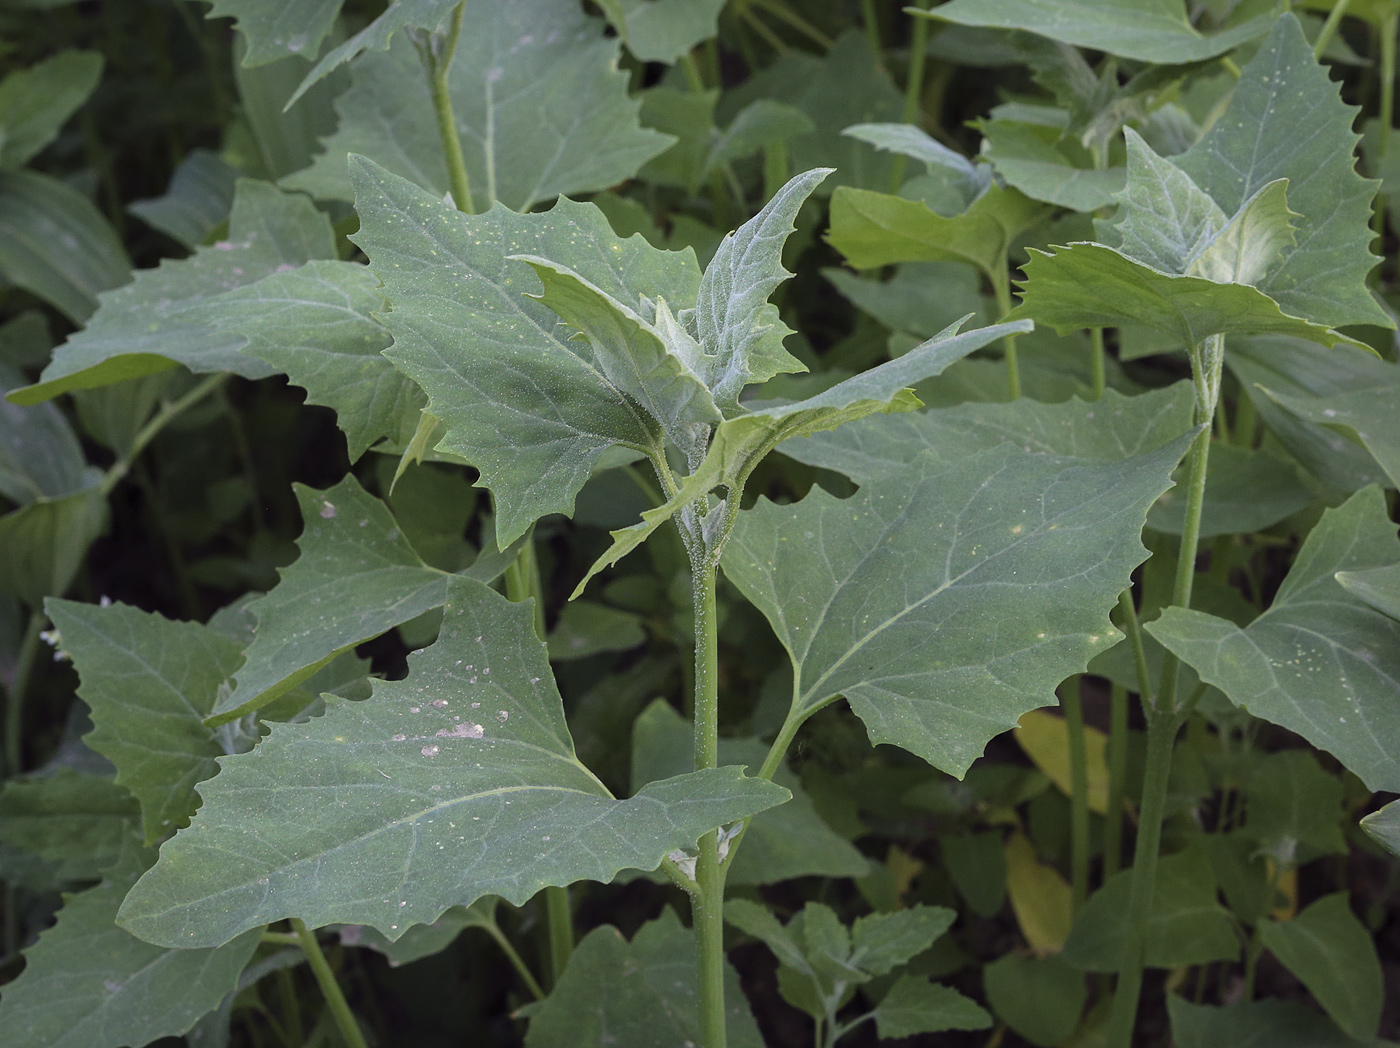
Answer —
739 330
457 782
881 942
913 141
1185 924
1041 998
88 984
36 102
466 332
540 111
757 920
1319 662
983 539
357 577
40 456
163 317
55 243
1384 826
662 30
1044 166
642 994
1045 738
1156 31
198 199
1040 897
1294 808
150 683
404 14
1334 956
1165 221
914 1006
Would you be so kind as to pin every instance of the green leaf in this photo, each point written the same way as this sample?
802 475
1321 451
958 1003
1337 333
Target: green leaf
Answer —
848 85
275 29
1319 662
652 365
1032 549
921 298
88 984
424 940
762 123
740 443
784 842
1378 587
757 920
466 332
881 942
76 823
1041 998
378 35
408 782
1044 166
1296 368
913 141
56 244
1149 30
662 30
149 683
642 994
1186 925
1247 489
585 628
168 315
540 113
39 454
1271 1023
198 199
1294 809
281 142
47 540
357 577
1384 826
876 229
976 864
36 102
1090 285
689 116
1285 119
1165 220
1334 956
741 337
315 323
1369 413
1113 427
914 1006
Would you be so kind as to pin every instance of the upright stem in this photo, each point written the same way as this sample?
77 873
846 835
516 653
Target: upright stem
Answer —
1001 285
872 27
14 704
561 930
1097 368
708 899
1072 703
1330 27
158 422
913 89
330 989
1164 718
1389 25
1117 774
440 65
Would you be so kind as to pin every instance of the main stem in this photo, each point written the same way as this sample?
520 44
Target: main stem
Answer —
1001 285
1164 717
1073 705
913 89
330 989
439 83
708 899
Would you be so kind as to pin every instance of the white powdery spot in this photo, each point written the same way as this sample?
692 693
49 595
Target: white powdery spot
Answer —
462 731
431 751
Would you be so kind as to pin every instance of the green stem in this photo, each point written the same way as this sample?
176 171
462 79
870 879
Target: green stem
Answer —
1164 718
517 962
1387 107
561 930
706 665
1073 705
523 582
1127 610
1117 776
158 422
325 978
440 65
783 13
913 89
1001 285
871 21
14 699
693 77
765 34
1097 369
291 1006
1330 27
708 899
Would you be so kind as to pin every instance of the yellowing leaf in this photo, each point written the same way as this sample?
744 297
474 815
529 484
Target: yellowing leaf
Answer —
1045 739
1040 897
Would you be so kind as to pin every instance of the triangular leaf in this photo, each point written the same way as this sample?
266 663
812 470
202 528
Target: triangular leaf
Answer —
457 782
914 1005
150 683
163 318
36 102
1319 661
662 30
275 29
982 540
1369 413
1042 165
377 36
196 202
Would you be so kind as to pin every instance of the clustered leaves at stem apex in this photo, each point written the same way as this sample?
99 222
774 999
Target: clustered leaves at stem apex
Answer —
970 573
